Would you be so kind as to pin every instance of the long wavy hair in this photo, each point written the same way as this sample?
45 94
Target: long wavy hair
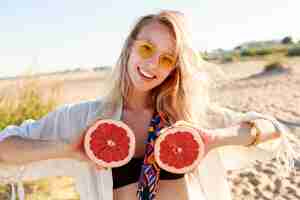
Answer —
187 94
184 95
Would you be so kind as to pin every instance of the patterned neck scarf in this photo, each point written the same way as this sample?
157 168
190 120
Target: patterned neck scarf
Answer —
149 177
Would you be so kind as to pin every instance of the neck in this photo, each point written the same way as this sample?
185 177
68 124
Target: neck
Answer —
138 100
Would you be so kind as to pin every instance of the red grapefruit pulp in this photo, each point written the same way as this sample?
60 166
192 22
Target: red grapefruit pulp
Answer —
179 149
109 143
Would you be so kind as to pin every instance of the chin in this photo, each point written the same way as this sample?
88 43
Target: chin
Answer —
143 89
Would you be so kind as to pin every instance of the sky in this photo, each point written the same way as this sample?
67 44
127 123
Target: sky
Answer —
43 36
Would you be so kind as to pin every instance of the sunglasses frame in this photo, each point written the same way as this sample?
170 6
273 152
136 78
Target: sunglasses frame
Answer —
154 49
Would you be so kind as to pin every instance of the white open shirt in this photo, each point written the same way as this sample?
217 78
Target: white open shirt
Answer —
68 121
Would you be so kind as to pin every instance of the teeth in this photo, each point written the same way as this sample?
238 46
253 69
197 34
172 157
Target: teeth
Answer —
146 74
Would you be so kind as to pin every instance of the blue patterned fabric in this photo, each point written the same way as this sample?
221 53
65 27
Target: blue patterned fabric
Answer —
150 172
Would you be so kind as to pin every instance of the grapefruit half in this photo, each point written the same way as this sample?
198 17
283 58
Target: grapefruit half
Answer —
109 143
179 149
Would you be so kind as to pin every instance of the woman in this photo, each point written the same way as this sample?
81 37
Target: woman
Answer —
155 73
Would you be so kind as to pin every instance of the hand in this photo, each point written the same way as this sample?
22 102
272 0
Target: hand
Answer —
267 130
77 151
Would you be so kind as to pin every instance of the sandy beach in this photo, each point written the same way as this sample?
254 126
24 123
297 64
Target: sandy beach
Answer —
247 88
276 94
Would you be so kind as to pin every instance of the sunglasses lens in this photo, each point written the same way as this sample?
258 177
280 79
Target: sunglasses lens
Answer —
145 50
166 61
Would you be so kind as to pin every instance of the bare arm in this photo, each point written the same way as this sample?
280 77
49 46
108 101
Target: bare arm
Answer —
18 150
241 135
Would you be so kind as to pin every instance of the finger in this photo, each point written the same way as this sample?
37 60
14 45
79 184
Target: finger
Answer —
98 167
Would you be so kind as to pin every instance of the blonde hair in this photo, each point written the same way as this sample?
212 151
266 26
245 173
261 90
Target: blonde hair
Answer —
187 94
184 95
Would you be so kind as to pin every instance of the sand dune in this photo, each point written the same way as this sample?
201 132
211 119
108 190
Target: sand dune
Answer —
277 94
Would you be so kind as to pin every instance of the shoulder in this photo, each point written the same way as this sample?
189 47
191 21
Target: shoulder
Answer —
75 117
82 107
76 112
85 110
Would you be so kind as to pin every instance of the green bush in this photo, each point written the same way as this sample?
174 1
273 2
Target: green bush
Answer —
287 40
204 56
275 65
28 104
280 49
294 51
248 52
264 51
227 58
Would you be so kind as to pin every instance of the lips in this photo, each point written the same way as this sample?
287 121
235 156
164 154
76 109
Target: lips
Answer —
145 74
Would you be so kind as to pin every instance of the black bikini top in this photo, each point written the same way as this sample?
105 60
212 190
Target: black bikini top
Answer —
130 173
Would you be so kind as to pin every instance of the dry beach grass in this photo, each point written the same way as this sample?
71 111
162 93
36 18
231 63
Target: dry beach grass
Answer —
248 88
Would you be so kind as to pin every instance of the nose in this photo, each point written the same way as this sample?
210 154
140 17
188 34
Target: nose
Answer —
153 62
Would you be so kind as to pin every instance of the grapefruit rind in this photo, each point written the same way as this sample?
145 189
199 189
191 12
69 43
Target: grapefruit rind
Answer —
170 131
103 163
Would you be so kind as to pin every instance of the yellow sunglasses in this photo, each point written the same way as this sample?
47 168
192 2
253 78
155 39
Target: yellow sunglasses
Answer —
146 50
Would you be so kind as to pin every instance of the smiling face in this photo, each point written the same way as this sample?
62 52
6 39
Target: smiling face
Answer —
150 61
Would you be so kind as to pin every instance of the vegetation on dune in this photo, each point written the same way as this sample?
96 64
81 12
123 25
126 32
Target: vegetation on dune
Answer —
26 103
276 65
29 102
294 51
256 49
